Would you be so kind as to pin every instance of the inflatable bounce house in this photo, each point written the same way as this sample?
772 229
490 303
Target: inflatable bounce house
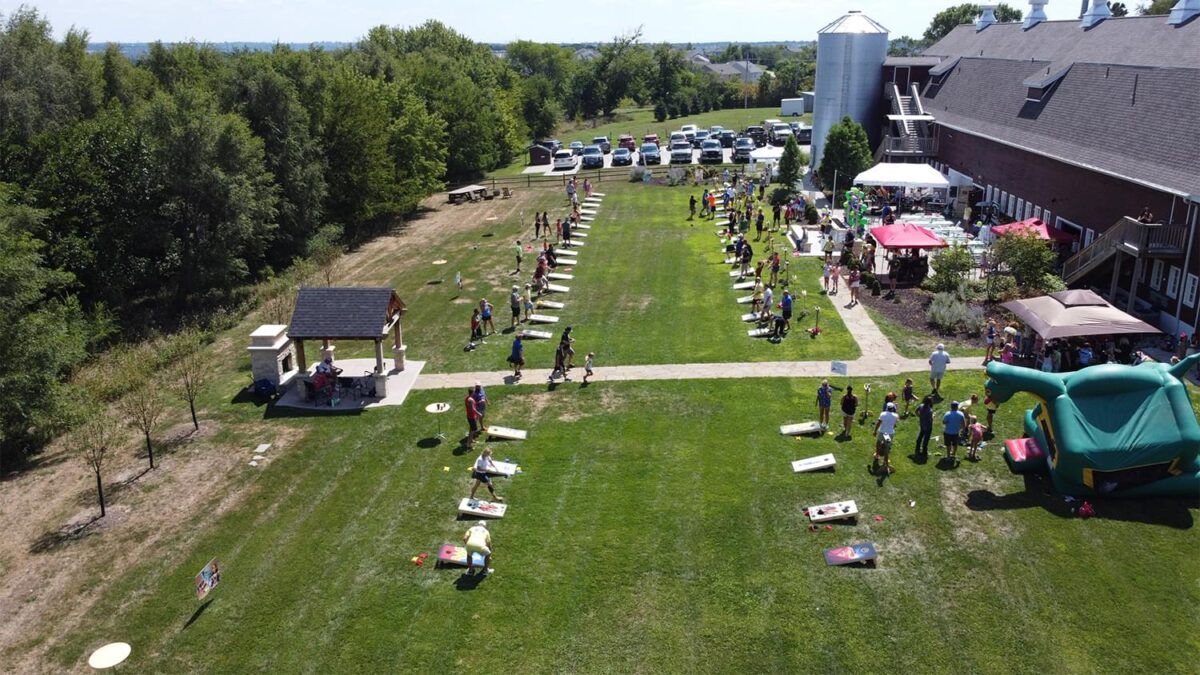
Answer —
1107 429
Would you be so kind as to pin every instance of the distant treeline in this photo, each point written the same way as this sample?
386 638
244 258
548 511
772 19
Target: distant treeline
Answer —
138 195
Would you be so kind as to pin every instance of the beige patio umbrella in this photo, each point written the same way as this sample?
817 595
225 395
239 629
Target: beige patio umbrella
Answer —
1073 313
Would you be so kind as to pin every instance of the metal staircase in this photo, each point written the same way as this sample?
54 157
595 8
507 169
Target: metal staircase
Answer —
906 137
1127 235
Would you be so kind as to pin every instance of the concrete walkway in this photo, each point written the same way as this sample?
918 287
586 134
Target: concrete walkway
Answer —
879 359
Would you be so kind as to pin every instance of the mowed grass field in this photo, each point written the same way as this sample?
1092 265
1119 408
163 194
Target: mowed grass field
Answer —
640 121
650 287
657 527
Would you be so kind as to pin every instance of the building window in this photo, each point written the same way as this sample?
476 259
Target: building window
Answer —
1156 275
1048 217
990 196
1190 289
1173 282
1020 209
1003 201
1037 213
1089 235
1028 210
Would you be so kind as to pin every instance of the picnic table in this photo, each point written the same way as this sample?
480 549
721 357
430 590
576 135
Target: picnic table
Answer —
465 193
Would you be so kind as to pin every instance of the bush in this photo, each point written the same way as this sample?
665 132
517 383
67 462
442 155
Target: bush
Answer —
780 196
951 315
1051 283
951 267
871 283
811 215
1001 288
660 112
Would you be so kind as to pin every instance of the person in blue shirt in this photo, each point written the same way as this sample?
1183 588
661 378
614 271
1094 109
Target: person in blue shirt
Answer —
785 304
1085 355
517 357
952 427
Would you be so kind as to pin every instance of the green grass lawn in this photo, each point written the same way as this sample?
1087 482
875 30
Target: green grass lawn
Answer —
915 344
657 528
650 288
640 121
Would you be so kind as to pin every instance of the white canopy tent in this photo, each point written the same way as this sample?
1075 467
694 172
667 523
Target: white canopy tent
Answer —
903 175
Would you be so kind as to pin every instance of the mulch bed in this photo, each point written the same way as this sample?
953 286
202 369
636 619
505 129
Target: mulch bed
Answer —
908 309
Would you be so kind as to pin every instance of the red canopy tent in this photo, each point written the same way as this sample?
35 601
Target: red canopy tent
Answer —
906 235
1037 227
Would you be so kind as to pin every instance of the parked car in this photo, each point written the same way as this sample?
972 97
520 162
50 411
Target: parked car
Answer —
742 148
576 147
593 157
690 135
622 157
649 154
681 153
603 143
677 137
759 135
627 141
700 137
803 133
688 127
652 138
780 134
552 143
770 124
728 136
715 131
564 159
711 152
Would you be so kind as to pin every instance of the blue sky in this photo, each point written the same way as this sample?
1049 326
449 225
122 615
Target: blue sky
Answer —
483 20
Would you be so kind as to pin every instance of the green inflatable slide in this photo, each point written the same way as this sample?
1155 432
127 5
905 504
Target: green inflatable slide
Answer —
1107 429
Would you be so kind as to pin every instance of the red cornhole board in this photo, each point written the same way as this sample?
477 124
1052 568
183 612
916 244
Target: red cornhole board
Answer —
853 554
1024 454
449 554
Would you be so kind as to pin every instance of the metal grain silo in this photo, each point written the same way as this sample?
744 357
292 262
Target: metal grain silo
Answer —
850 54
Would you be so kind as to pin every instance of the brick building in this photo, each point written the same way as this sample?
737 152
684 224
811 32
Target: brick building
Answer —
1081 123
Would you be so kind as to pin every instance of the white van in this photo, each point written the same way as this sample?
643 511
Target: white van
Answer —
564 159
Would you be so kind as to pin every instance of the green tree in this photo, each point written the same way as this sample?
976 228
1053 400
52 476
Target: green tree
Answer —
951 267
1155 7
356 134
419 148
790 165
94 440
945 21
1027 257
1118 9
847 153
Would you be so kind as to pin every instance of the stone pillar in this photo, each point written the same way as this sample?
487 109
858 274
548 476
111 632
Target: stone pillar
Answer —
301 361
380 384
399 350
379 356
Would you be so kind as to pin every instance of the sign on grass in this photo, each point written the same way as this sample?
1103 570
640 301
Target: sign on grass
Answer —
208 578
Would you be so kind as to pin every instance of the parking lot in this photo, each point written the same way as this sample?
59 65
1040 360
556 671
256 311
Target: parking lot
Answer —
768 153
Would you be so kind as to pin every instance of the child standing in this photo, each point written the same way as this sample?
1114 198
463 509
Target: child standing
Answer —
476 333
975 430
824 403
836 273
825 273
587 366
908 394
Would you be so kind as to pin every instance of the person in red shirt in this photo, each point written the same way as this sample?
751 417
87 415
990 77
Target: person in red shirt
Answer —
472 418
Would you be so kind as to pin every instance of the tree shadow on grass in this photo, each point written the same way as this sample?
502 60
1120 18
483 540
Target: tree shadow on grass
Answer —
56 539
1173 512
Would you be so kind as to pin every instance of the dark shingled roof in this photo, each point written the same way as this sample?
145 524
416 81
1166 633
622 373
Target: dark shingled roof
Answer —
916 61
343 313
1125 104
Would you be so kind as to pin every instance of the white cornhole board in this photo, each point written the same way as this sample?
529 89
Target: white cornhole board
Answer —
536 334
581 227
481 509
558 289
506 433
738 273
579 234
508 469
743 285
578 243
745 299
598 194
550 304
731 261
813 463
802 429
543 318
750 316
587 212
587 219
759 332
565 258
591 199
560 276
834 511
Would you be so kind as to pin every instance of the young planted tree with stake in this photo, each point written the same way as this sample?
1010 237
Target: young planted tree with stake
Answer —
143 406
192 370
93 441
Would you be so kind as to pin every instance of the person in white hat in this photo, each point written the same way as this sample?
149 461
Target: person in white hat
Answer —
885 430
478 540
938 361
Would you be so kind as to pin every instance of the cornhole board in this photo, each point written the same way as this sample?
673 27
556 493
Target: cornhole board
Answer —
593 198
835 511
582 227
577 243
506 469
745 300
750 316
579 234
559 276
536 334
743 285
814 463
598 194
566 258
550 304
759 332
731 261
736 273
863 554
481 509
587 219
587 212
507 433
449 554
558 289
1024 454
801 429
543 318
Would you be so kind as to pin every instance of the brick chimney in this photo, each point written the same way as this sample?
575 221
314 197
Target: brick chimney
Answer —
1037 13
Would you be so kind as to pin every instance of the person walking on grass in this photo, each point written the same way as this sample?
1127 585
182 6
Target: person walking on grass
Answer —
908 395
885 431
768 302
517 357
537 225
776 263
520 250
952 427
938 361
481 402
692 208
514 304
527 300
925 426
478 540
479 473
785 307
824 403
476 329
472 417
487 326
849 407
